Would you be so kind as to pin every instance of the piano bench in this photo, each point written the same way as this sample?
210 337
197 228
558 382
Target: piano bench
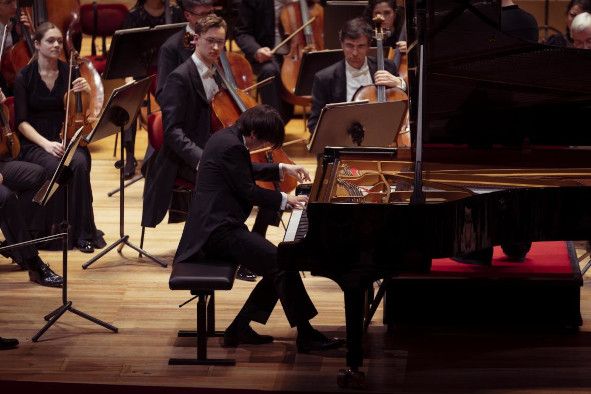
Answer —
202 278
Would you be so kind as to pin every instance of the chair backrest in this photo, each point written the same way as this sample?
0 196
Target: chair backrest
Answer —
155 130
102 20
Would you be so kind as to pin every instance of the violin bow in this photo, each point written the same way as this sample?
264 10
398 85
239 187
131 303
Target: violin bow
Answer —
292 35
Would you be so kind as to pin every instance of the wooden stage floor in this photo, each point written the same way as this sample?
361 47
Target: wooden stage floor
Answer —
133 295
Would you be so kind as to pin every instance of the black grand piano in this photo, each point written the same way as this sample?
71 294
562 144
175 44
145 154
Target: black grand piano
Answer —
504 161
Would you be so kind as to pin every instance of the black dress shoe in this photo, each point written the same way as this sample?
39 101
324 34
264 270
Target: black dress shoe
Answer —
85 246
129 169
41 273
8 343
246 274
234 337
317 341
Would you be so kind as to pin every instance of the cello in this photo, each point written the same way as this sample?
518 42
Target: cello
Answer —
294 15
18 55
227 106
379 93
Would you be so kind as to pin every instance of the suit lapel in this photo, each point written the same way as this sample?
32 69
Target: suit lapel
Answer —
195 79
341 88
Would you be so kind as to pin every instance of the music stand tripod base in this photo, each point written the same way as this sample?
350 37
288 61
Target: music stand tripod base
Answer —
123 101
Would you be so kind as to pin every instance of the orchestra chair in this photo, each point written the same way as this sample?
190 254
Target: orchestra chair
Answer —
101 20
202 278
156 139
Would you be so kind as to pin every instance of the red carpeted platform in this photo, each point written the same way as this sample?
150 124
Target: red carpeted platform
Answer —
543 289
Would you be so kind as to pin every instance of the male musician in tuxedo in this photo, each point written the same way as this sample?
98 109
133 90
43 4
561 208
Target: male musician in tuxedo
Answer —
175 51
19 181
339 82
225 194
581 31
257 32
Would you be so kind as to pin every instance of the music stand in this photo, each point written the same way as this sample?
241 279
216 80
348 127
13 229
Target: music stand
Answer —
62 177
380 123
134 51
116 116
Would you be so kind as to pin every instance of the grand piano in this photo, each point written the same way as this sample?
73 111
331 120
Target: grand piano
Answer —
505 160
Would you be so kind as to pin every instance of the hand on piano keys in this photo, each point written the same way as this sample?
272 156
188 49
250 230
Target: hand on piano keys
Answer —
296 171
297 202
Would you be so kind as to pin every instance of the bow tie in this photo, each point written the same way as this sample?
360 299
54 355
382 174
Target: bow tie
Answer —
358 73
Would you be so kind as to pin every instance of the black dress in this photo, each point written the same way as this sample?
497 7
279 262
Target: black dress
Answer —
44 110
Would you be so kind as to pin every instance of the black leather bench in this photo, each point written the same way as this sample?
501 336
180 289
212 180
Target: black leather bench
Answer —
202 278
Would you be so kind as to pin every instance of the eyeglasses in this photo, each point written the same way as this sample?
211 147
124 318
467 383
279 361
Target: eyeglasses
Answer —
212 41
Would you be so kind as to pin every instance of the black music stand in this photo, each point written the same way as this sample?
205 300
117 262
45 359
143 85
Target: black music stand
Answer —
134 52
123 102
380 123
62 177
336 13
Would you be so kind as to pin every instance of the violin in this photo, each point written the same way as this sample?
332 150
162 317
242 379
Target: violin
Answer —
294 15
379 93
77 105
226 107
18 55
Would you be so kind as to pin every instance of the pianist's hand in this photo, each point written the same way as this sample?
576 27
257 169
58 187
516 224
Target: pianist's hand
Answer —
297 202
296 171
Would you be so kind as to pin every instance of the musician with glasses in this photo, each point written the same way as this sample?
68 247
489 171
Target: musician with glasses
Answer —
178 48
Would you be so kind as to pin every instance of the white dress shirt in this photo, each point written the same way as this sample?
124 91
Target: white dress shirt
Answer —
356 78
206 73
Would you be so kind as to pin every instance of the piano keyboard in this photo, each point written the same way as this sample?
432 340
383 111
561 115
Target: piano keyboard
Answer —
297 227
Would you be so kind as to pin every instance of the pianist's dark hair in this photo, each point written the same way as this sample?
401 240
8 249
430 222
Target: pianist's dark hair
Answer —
264 122
355 28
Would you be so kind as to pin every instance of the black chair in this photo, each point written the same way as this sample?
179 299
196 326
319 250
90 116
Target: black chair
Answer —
202 278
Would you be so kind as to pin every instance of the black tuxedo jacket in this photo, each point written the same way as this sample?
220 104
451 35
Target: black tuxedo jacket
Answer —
225 191
172 54
255 27
330 86
187 123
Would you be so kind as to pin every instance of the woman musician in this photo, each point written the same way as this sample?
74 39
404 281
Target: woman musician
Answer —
39 107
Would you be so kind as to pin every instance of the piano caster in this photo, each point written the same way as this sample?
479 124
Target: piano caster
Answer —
347 378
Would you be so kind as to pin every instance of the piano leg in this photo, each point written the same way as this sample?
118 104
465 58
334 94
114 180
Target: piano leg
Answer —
354 312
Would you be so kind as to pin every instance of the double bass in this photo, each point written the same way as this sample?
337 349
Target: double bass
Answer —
65 14
294 15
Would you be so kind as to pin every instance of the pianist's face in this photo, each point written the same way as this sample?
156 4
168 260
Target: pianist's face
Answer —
355 50
582 39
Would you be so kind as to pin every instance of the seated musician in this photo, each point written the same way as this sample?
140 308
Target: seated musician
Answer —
39 107
517 22
581 31
174 51
573 8
224 196
19 181
145 13
257 31
393 25
339 82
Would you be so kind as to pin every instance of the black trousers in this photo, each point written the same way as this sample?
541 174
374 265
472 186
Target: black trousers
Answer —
80 211
21 180
271 92
251 250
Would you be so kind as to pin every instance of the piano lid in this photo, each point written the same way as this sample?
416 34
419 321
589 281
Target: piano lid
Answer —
485 87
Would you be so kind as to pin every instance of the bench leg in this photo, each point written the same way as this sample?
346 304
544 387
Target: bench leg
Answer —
211 332
202 315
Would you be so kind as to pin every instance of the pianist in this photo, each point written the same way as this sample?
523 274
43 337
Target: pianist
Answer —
580 30
225 193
